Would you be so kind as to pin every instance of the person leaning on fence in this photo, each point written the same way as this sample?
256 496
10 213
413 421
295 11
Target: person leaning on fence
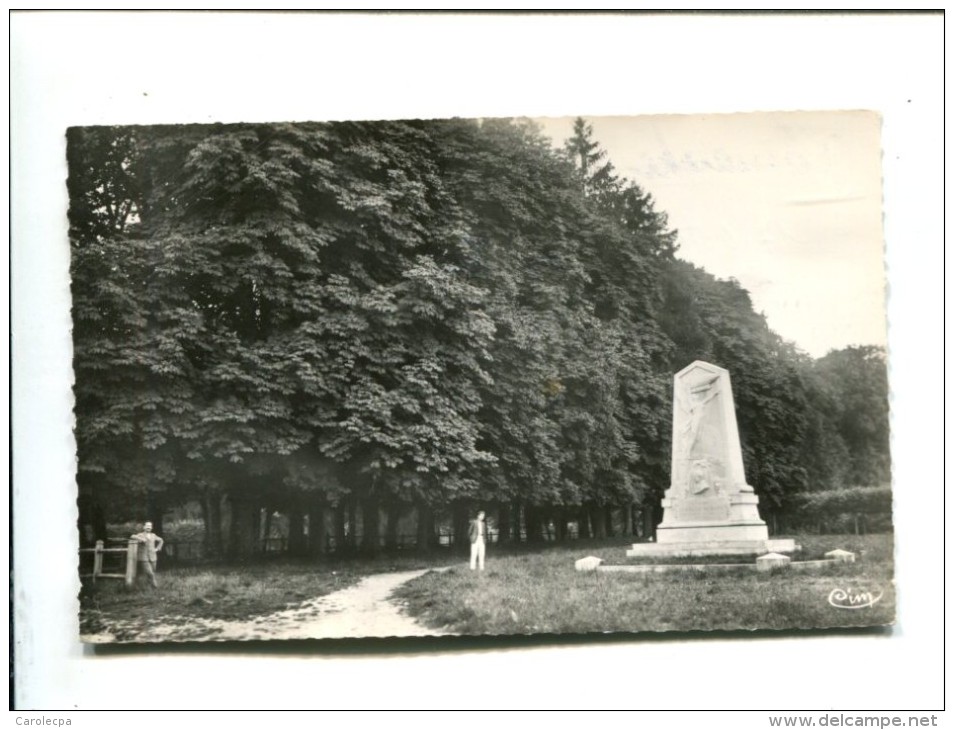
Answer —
478 541
149 545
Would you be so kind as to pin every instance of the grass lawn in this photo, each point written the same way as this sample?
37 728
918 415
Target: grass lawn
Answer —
543 593
229 592
525 589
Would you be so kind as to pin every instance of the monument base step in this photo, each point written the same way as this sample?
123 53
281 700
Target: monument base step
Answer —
737 531
689 549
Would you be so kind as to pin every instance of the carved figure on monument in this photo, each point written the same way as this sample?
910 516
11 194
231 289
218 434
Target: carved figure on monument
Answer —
701 479
695 400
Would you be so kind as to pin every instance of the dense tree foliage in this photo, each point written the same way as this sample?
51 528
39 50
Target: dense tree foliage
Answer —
365 318
850 395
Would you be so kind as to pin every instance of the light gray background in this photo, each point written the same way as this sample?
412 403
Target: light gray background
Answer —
74 69
788 204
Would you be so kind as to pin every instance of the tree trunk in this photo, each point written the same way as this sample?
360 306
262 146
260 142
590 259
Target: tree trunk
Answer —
540 517
266 532
352 537
100 531
425 527
156 511
516 511
460 520
561 524
212 517
526 525
341 537
391 542
317 533
534 521
610 529
504 519
204 506
92 520
296 532
628 519
649 523
548 524
597 518
583 522
243 532
371 527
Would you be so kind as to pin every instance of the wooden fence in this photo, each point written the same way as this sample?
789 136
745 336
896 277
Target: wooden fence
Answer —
131 552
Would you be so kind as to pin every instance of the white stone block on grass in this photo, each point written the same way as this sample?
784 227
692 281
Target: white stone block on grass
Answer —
840 556
772 561
588 564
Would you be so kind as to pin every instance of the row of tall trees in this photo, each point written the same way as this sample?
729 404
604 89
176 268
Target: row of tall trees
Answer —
422 315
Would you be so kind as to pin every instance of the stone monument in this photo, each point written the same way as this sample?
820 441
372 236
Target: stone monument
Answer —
709 508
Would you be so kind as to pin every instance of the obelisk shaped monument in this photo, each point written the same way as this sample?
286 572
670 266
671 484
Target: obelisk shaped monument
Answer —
709 507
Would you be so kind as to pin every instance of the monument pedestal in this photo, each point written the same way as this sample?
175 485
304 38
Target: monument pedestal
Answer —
736 530
697 548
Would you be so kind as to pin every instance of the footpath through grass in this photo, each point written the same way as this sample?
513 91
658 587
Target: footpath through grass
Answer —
232 593
543 593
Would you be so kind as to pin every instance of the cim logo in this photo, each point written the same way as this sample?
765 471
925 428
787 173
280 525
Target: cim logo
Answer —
851 598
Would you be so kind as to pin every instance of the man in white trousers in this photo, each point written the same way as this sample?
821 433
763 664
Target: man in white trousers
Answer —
478 541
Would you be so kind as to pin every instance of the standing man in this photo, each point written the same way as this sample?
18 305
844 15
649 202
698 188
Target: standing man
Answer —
149 545
478 541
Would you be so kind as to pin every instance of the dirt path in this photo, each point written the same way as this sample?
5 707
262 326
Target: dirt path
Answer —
364 609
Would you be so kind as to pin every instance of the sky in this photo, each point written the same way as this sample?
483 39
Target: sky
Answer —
789 204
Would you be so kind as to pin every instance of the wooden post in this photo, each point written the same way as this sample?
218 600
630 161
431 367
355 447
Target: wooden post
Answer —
98 560
132 552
